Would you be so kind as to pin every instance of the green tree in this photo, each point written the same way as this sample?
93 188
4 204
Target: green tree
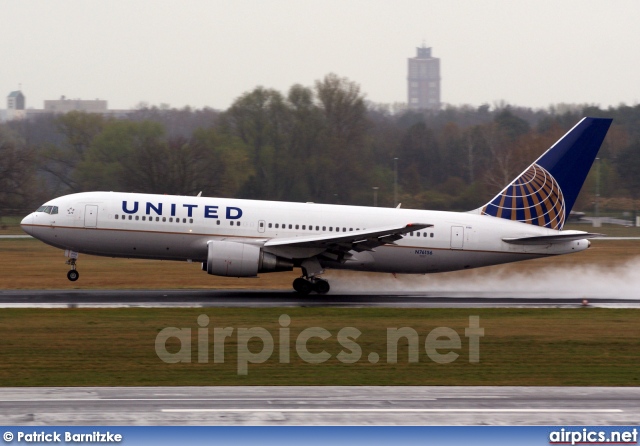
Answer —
19 188
139 157
628 167
127 156
505 141
420 164
343 166
60 161
303 132
258 118
510 125
222 165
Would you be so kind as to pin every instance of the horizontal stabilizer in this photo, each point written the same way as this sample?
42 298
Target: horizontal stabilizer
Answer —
547 239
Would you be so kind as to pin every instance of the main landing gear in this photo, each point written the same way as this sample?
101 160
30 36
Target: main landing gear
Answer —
310 281
73 274
305 286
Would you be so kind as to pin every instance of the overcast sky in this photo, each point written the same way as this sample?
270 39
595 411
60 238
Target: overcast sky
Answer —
207 53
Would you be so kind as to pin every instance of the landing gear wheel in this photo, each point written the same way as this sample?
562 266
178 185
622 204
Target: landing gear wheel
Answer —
321 286
73 275
302 286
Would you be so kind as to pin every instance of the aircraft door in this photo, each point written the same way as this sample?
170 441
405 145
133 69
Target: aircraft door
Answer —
261 225
90 216
457 237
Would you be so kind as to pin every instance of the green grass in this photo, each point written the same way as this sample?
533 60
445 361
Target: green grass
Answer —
607 229
104 347
10 226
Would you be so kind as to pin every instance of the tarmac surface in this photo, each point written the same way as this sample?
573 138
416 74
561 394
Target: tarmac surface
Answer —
319 405
287 298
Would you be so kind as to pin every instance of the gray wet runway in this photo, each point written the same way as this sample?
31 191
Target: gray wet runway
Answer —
286 298
319 405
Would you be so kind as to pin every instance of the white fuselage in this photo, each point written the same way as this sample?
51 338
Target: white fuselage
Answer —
178 228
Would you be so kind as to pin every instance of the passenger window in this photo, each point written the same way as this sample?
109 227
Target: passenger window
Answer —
431 234
331 228
231 223
170 219
297 226
324 228
277 225
184 220
350 229
130 217
237 223
164 218
217 222
116 216
191 220
270 224
261 225
144 218
317 228
304 227
137 217
290 226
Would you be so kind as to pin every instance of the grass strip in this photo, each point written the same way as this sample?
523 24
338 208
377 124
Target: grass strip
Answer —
520 347
30 264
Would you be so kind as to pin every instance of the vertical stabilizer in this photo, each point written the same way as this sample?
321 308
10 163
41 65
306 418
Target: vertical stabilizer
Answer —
544 194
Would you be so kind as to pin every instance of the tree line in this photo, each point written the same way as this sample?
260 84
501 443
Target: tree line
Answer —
322 143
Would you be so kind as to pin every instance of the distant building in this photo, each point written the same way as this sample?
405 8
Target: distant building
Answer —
16 107
64 105
15 100
423 81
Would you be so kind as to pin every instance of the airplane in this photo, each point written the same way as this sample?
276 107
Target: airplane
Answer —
242 238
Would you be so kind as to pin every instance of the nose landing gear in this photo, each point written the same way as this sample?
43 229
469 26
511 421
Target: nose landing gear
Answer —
73 274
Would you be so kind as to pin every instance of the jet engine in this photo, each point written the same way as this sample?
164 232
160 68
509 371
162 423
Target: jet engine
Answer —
233 259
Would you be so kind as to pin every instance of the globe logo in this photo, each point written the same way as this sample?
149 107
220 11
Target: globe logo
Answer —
534 197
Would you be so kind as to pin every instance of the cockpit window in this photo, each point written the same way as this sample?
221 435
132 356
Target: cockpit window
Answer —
48 209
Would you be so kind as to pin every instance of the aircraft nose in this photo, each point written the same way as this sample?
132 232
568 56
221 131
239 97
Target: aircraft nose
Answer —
26 223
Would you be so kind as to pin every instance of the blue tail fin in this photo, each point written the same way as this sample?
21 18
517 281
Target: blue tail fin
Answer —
544 194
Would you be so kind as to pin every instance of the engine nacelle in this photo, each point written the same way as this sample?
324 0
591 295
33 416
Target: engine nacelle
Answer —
235 259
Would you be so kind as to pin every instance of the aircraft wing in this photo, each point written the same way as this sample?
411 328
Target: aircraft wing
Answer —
343 242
